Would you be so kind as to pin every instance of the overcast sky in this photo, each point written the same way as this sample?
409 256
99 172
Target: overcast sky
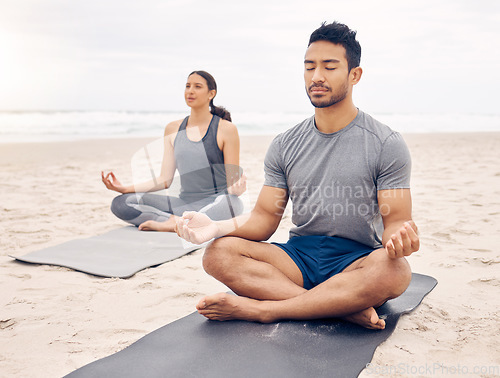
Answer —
418 56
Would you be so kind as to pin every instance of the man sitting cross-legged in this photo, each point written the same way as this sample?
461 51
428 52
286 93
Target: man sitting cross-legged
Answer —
347 176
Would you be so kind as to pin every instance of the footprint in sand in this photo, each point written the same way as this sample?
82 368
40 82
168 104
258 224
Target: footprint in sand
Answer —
24 277
481 261
192 294
485 281
7 323
479 250
442 236
148 286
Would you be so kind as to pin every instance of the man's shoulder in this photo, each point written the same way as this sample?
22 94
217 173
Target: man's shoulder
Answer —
295 132
368 124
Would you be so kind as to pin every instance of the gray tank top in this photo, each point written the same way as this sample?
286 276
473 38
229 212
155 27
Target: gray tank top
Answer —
200 164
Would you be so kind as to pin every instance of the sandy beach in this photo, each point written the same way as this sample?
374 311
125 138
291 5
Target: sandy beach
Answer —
54 320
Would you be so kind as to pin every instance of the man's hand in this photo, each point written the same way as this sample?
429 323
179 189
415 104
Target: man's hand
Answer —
196 228
404 242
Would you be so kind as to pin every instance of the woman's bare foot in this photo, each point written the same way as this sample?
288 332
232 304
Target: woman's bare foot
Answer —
367 318
167 226
223 306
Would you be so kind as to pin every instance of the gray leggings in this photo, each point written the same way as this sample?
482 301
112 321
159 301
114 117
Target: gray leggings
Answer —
136 208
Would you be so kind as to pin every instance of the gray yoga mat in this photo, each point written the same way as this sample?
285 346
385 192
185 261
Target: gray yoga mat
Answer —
196 347
117 253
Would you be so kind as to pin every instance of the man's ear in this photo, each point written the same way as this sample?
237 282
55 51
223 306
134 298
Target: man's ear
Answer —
355 75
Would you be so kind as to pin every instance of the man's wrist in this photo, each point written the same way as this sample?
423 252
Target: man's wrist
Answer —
219 232
226 227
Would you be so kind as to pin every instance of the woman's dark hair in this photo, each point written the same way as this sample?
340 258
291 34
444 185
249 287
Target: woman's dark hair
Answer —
339 34
212 85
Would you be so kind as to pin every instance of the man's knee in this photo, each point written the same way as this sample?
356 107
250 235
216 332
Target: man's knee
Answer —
217 256
393 275
399 277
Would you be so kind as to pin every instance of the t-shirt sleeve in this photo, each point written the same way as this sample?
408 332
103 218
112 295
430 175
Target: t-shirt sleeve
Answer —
274 167
394 168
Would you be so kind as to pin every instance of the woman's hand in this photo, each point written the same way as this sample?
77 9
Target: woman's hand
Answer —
112 182
239 187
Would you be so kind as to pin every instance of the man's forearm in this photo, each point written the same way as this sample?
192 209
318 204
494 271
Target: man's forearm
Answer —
251 226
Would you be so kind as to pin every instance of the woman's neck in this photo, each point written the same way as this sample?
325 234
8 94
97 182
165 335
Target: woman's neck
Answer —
200 117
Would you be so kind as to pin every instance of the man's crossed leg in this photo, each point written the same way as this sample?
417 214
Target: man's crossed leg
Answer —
270 285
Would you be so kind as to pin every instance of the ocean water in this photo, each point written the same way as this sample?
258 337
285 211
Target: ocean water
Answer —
45 126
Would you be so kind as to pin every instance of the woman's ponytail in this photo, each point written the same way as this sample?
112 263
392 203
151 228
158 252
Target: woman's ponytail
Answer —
220 111
212 85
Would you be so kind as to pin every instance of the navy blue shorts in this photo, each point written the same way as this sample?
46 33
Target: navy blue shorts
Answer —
321 257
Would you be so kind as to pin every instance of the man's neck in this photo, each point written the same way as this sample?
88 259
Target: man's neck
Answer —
335 118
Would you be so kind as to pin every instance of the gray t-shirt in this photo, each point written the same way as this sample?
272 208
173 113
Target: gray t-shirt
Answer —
333 179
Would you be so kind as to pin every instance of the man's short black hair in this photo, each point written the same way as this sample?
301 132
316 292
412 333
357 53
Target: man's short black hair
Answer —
339 34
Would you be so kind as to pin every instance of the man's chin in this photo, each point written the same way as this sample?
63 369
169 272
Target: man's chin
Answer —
321 104
325 103
319 101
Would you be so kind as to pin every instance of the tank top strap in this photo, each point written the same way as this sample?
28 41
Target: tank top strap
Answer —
213 127
214 154
183 124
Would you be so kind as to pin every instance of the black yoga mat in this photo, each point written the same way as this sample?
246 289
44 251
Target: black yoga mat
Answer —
196 347
118 253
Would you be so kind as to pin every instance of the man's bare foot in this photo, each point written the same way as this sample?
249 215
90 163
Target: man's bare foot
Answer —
167 226
367 318
223 306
